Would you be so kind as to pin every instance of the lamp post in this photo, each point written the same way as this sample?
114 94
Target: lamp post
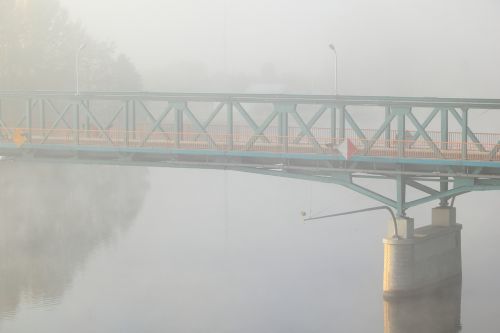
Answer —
332 47
77 65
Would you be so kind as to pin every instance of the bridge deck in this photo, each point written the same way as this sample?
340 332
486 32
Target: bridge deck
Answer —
196 141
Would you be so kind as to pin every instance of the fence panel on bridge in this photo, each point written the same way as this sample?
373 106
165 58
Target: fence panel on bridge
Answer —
402 128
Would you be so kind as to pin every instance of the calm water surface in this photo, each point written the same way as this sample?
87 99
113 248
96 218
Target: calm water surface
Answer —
213 251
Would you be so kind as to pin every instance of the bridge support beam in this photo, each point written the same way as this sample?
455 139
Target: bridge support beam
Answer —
425 257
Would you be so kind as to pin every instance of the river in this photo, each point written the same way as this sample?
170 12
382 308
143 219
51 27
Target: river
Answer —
215 251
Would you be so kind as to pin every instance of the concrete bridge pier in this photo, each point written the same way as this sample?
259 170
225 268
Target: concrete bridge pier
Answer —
422 258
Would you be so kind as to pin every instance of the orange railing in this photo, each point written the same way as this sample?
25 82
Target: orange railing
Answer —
243 139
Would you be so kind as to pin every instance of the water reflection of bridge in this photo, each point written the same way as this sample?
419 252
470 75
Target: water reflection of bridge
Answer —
435 311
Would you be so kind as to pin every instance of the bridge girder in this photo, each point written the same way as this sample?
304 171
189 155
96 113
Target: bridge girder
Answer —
293 136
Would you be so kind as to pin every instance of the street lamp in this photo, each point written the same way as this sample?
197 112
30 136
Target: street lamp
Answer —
77 65
332 47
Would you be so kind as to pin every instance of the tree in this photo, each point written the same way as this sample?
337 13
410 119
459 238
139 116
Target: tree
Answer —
38 45
53 216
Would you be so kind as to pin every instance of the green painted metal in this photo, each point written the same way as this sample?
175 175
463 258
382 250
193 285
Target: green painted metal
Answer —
355 127
283 110
443 187
139 129
401 134
423 133
315 119
76 124
400 195
342 123
259 131
126 124
470 134
230 126
465 126
444 129
306 130
333 124
206 123
427 122
387 126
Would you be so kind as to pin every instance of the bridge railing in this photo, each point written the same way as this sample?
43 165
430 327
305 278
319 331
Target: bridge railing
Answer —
397 127
243 140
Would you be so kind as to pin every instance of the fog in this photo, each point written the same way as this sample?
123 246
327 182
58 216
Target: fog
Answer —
133 249
389 47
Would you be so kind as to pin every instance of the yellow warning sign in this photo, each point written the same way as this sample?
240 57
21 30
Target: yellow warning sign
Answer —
18 137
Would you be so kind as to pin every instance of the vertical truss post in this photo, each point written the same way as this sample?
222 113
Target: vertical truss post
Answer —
230 126
465 124
133 122
86 105
444 129
283 111
29 125
43 124
333 124
388 128
284 130
87 120
401 113
76 123
127 123
401 195
179 125
342 124
444 187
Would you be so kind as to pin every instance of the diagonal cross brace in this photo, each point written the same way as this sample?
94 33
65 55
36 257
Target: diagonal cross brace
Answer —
494 151
110 124
53 107
58 120
97 123
440 195
470 134
355 127
311 123
153 119
2 124
424 134
425 124
306 130
156 125
369 193
421 187
250 121
211 118
259 132
379 132
198 125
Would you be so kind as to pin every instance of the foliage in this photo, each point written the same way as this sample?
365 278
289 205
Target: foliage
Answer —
38 47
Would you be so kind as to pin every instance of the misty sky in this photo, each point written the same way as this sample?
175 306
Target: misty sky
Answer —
388 47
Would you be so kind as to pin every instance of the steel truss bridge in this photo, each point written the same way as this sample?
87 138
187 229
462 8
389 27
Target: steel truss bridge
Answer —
427 144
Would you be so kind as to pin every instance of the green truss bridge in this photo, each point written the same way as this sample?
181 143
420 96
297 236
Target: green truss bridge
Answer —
428 144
